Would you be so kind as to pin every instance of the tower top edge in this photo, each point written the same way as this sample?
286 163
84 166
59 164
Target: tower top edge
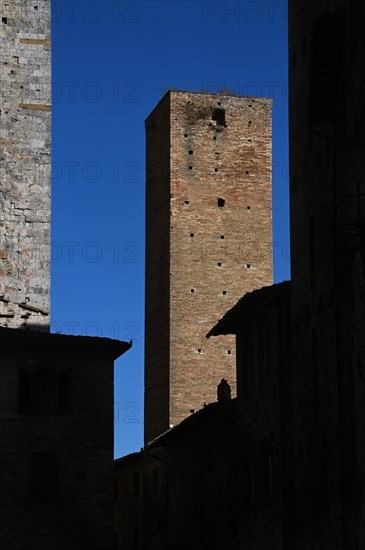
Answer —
172 91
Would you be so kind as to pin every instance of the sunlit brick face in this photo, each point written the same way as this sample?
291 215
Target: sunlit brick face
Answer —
208 217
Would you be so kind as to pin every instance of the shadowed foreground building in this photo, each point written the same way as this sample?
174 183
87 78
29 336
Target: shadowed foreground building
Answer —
327 210
261 321
180 491
301 352
56 454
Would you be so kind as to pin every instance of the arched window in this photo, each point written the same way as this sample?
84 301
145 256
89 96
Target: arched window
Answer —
43 470
265 461
312 252
23 390
315 367
63 391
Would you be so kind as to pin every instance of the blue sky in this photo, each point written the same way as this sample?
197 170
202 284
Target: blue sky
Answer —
112 62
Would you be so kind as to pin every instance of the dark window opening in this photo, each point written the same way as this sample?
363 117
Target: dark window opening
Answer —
135 538
191 234
214 137
185 135
247 172
359 365
4 20
24 393
327 66
249 208
248 483
221 202
219 115
136 484
35 7
155 481
266 473
190 152
199 350
248 266
222 236
249 141
44 391
219 264
249 372
249 122
252 483
229 352
190 167
215 169
224 292
192 290
43 476
312 252
63 391
186 202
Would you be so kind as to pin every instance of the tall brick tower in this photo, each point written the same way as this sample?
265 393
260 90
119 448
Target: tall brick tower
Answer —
25 105
208 239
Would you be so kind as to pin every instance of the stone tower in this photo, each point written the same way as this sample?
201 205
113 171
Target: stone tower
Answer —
208 240
25 164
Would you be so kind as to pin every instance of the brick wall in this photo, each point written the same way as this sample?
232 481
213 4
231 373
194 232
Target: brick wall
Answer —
210 178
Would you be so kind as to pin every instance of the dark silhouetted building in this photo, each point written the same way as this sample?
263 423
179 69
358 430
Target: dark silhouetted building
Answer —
300 346
261 321
180 491
327 210
56 426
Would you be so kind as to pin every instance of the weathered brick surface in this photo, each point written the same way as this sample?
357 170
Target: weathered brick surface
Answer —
25 105
201 257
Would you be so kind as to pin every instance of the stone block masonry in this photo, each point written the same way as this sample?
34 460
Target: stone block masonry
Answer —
208 240
25 105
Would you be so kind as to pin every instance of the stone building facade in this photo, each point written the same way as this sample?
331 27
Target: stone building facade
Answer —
208 238
301 349
25 105
56 427
327 200
56 391
261 321
180 491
